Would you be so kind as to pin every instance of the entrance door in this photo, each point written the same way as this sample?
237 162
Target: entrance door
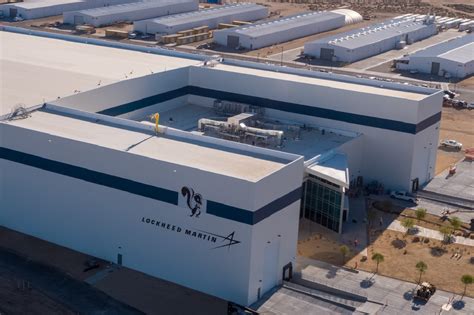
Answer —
327 54
270 266
119 259
13 12
435 68
415 185
233 41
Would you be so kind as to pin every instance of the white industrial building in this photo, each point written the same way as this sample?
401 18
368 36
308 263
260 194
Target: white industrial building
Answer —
266 33
35 9
129 12
373 40
207 17
209 196
452 58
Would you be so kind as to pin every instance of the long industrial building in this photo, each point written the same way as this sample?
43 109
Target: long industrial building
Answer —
35 9
216 182
370 41
452 58
129 12
207 17
266 33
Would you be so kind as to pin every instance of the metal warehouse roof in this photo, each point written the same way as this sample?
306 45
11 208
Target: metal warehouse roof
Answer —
127 7
283 24
460 49
42 3
373 34
196 16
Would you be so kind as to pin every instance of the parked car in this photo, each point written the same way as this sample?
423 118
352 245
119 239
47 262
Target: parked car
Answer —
403 195
453 144
449 93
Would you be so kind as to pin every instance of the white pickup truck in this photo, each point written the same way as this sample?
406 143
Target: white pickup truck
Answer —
451 144
403 195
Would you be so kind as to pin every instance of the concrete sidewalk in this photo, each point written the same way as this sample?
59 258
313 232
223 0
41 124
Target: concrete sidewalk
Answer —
424 232
385 295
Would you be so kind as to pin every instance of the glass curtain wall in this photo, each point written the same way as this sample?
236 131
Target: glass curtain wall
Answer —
322 202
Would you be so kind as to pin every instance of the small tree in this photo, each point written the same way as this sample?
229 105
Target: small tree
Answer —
344 251
421 266
420 214
456 223
408 223
446 231
466 280
378 258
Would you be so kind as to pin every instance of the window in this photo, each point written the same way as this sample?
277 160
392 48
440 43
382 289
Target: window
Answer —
321 203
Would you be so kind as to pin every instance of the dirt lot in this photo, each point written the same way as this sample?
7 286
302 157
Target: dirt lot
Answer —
400 262
457 125
16 299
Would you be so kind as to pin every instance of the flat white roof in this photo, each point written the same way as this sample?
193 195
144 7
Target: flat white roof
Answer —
356 87
195 154
333 167
35 69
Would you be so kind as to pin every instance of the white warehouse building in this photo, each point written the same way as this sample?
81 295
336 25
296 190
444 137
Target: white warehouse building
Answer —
217 185
129 12
35 9
452 58
266 33
370 41
207 17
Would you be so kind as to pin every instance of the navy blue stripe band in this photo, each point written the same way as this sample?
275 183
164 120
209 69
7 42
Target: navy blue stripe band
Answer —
248 217
90 176
145 102
145 190
351 118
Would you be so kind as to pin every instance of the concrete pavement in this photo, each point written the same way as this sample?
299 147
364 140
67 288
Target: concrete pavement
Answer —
385 295
424 232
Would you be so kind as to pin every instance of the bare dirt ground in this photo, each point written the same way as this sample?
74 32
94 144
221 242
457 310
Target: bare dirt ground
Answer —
399 263
14 299
458 125
64 259
148 294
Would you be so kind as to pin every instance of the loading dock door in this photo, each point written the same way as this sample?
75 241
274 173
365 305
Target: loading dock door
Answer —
233 41
78 20
327 54
435 68
13 12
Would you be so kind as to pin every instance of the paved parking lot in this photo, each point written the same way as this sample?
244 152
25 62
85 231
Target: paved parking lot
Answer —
459 185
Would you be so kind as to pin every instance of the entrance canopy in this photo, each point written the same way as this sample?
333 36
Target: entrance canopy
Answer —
331 167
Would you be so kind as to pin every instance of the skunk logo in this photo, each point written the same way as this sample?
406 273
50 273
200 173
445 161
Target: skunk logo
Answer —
193 200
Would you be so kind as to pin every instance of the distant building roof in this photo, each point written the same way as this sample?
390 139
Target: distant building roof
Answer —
126 7
374 33
189 17
460 49
286 23
43 3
